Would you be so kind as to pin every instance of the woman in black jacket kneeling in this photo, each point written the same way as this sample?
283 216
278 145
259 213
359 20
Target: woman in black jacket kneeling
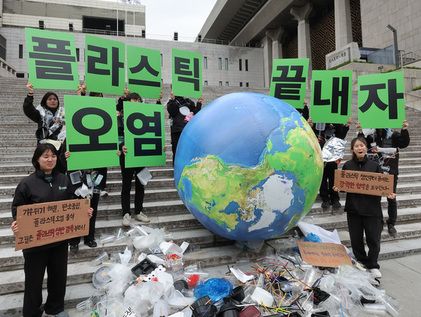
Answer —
44 185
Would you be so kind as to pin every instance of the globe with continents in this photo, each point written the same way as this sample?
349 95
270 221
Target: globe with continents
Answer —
248 167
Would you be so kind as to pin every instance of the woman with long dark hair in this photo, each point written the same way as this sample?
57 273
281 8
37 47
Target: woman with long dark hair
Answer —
44 185
364 212
49 115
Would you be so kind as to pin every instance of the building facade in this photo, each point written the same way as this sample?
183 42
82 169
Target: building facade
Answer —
223 65
328 32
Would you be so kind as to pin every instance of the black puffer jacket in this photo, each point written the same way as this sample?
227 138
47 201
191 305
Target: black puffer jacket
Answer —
37 188
364 205
178 119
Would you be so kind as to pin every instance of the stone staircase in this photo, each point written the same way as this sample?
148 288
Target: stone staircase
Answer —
163 205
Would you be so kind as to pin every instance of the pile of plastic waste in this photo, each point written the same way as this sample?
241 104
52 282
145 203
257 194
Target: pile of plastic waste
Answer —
150 279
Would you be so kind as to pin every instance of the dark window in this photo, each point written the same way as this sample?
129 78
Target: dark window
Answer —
71 27
247 84
41 24
175 36
220 63
241 84
246 65
143 33
220 83
20 51
240 65
20 75
77 54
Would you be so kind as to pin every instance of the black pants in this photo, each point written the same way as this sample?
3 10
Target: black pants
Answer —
175 136
127 177
92 221
326 187
392 206
55 260
372 228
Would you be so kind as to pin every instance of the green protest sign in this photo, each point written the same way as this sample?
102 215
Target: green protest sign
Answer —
51 59
144 134
288 81
381 101
144 71
331 96
91 132
104 65
186 73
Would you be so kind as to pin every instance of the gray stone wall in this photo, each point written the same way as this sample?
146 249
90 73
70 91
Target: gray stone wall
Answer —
403 15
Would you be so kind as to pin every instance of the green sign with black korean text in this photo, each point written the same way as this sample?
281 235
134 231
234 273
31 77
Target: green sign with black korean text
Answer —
91 132
331 96
52 62
144 134
288 81
186 73
104 65
381 102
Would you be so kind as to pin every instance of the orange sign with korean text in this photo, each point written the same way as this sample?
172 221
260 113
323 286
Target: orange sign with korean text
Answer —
323 254
376 184
45 223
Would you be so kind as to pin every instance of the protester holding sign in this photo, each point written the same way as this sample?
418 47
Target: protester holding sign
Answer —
128 173
385 145
328 195
364 212
44 185
181 110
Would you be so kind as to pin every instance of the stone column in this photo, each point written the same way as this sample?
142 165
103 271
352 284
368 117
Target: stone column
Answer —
267 59
303 30
276 36
343 25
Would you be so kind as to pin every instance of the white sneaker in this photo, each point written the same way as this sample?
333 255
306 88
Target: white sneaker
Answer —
103 193
375 273
142 217
126 220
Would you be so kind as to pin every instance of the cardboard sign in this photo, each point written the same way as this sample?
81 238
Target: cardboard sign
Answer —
52 60
91 132
376 184
381 101
186 73
45 223
324 254
144 134
288 81
331 96
104 66
144 71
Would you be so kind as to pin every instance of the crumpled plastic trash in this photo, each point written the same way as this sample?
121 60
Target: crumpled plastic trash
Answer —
121 276
125 256
149 241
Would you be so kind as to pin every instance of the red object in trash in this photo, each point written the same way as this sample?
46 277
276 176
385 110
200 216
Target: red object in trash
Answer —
250 311
192 280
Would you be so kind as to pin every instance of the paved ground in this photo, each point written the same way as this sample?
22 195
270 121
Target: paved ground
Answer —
402 280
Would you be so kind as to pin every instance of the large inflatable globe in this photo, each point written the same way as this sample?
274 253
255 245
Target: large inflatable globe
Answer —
248 167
